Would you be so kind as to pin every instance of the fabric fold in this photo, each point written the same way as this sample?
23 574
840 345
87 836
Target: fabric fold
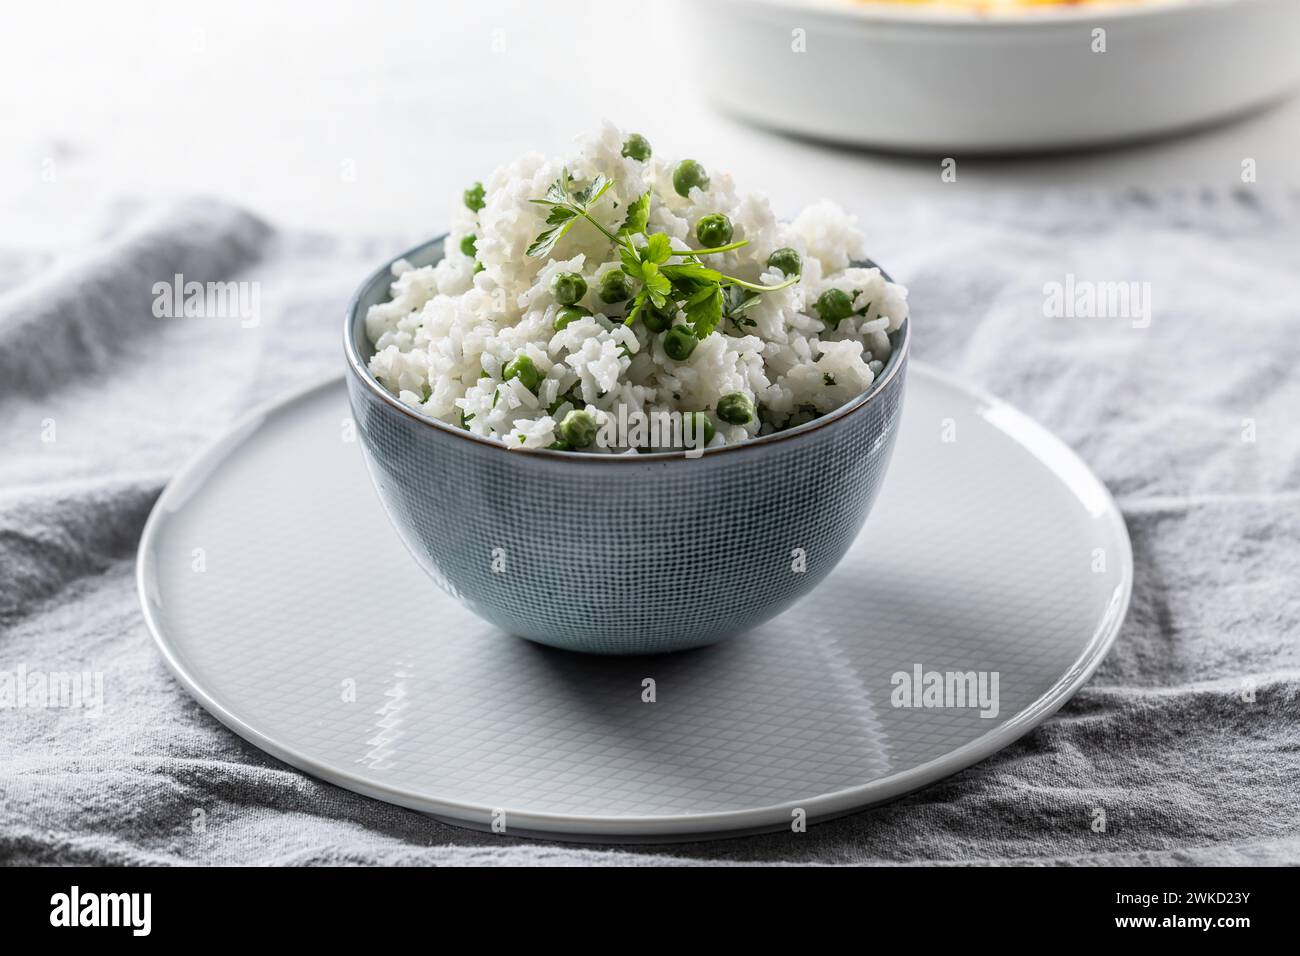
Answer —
74 317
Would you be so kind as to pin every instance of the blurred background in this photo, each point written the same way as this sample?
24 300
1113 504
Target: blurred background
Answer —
366 117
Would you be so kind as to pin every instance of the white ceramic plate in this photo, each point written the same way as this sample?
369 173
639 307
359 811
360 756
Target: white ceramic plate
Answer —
924 78
283 600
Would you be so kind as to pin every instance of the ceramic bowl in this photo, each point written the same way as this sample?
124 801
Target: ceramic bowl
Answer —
621 554
928 78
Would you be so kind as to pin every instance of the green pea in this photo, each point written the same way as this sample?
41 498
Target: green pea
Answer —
614 286
469 246
713 230
578 428
568 287
657 319
700 426
689 173
474 197
736 408
522 368
637 147
679 343
570 313
787 260
832 306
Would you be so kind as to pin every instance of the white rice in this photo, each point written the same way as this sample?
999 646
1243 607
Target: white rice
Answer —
447 333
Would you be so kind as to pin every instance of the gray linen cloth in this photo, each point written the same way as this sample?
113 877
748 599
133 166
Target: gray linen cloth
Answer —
1188 736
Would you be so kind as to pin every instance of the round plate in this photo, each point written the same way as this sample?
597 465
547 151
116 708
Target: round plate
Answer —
283 600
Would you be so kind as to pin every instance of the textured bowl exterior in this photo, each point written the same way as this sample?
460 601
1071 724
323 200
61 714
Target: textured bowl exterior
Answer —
623 554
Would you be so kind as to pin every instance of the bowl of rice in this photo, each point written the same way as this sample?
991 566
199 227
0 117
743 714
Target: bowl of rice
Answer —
620 407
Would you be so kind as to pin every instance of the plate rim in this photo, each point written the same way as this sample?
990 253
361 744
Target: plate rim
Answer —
587 828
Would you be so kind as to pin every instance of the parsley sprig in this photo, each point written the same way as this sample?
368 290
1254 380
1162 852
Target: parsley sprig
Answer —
566 207
706 295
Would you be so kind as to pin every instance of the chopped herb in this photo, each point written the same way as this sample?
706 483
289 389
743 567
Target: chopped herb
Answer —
735 302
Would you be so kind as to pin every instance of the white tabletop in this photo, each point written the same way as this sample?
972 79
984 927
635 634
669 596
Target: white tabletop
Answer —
369 116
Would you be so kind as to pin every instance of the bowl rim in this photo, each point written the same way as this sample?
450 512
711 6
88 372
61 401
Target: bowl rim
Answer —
357 366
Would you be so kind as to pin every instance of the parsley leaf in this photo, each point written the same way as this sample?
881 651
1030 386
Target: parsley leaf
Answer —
595 189
631 262
559 190
566 207
638 216
658 249
545 242
656 284
704 310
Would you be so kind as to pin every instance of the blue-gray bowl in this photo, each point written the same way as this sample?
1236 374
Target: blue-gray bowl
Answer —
622 554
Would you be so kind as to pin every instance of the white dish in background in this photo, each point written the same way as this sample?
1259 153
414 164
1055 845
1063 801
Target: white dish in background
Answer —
312 633
918 78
